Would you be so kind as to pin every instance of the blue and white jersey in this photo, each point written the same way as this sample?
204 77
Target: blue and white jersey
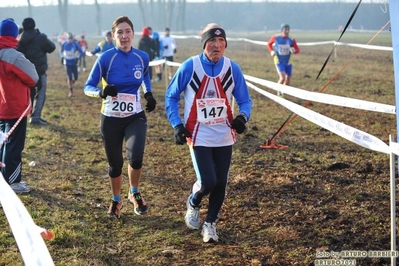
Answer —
70 52
282 49
128 72
208 90
103 46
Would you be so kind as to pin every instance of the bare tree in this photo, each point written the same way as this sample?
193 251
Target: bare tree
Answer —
181 15
142 11
169 6
63 12
164 9
98 16
152 8
29 9
159 22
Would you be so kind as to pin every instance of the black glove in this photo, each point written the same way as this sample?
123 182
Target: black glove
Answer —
76 61
62 61
181 134
239 124
108 90
151 102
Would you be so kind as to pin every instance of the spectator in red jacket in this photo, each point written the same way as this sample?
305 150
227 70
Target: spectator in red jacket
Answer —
17 75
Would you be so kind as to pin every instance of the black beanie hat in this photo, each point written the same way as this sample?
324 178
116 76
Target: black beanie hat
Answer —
28 24
212 33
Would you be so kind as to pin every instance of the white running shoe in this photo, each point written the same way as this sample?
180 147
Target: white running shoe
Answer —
20 188
209 232
192 216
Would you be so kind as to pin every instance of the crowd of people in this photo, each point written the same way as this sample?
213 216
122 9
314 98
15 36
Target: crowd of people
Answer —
209 82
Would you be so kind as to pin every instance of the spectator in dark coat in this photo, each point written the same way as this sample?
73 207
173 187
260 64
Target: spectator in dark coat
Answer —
35 46
147 45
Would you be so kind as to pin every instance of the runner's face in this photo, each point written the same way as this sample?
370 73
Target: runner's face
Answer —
123 36
214 48
285 32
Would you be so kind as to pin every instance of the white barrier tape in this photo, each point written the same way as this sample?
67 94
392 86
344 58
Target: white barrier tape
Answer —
31 245
365 46
325 98
255 42
15 125
3 137
299 43
163 61
169 63
186 36
157 62
394 146
350 133
315 43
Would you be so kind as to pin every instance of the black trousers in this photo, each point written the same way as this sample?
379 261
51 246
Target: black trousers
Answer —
11 150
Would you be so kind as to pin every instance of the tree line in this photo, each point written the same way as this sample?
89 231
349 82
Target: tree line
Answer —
182 16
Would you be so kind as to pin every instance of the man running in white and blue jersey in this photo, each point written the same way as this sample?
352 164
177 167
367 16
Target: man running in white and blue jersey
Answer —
209 82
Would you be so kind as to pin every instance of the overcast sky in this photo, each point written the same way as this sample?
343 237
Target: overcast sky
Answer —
4 3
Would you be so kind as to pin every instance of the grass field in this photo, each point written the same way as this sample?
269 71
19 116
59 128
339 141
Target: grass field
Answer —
281 206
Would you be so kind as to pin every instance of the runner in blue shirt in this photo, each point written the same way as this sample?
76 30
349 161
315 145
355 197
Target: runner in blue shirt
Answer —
125 70
209 82
281 46
105 44
70 54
